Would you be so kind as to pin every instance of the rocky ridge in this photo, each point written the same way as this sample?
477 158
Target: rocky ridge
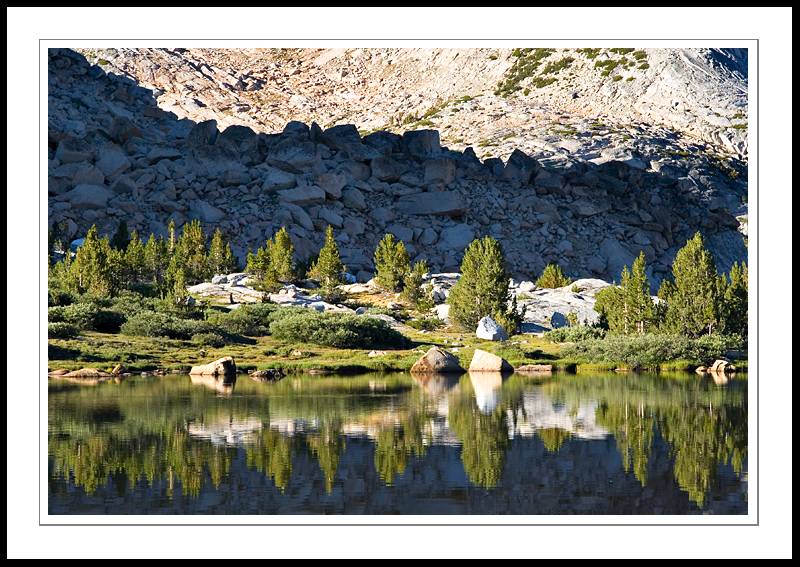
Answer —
506 98
115 154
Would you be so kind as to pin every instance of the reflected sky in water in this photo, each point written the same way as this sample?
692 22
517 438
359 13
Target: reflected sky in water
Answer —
396 444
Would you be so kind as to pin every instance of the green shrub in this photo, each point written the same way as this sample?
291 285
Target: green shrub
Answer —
61 330
152 324
87 316
338 330
214 340
250 320
590 52
526 63
553 277
649 351
56 297
425 323
574 334
129 303
557 66
607 66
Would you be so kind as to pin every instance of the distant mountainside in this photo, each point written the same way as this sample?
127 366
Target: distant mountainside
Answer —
583 157
503 98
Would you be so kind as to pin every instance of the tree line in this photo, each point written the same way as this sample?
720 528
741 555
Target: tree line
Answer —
696 300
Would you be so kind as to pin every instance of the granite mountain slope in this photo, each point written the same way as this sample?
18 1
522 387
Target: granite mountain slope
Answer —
589 197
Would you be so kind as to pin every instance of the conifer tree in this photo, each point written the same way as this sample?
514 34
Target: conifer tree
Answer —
156 255
328 268
693 306
220 255
638 302
178 294
483 287
609 304
391 263
628 308
553 277
281 255
414 290
93 267
734 311
190 253
260 265
135 260
61 275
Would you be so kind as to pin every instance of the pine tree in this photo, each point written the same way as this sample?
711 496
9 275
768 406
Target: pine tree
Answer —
415 292
121 238
259 264
638 302
628 308
328 268
178 294
156 260
190 253
734 311
93 268
609 304
135 260
281 254
220 255
61 276
391 263
483 287
693 305
553 277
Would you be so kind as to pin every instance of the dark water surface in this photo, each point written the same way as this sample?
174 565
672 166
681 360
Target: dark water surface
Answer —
393 444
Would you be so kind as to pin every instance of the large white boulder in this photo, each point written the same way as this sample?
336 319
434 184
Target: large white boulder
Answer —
490 330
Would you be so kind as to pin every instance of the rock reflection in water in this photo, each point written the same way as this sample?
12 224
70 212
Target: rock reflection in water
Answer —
486 387
221 384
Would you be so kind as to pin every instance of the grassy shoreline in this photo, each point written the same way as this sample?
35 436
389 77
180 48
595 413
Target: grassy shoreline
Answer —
144 354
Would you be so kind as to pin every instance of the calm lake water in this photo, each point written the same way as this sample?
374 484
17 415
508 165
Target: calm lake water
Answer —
393 444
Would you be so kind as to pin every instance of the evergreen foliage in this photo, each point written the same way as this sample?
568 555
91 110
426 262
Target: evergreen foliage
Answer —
415 291
391 263
328 268
220 255
553 277
483 287
694 298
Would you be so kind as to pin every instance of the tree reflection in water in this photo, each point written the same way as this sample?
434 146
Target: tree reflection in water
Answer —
186 434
